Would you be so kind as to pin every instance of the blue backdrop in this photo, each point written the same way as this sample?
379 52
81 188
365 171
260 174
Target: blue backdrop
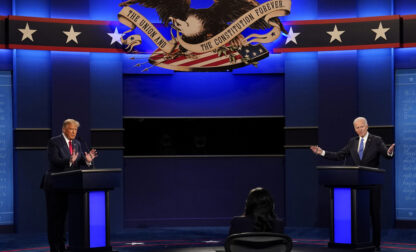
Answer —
6 150
406 144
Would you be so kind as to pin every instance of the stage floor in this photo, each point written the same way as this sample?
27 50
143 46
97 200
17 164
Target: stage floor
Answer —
204 239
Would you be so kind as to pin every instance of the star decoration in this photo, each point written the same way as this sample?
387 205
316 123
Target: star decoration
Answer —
291 36
335 34
72 35
115 36
380 32
27 32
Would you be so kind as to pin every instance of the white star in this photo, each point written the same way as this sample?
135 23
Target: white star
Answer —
335 34
27 32
72 35
291 36
115 36
380 32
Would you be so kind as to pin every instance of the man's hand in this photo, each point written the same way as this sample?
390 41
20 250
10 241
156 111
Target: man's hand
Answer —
89 157
74 157
390 151
316 149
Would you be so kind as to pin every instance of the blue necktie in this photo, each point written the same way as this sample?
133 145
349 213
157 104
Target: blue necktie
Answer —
361 149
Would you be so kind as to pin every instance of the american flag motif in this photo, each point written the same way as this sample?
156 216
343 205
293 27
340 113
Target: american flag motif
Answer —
220 60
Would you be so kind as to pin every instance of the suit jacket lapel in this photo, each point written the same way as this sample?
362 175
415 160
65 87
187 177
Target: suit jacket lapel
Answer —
354 153
367 144
64 146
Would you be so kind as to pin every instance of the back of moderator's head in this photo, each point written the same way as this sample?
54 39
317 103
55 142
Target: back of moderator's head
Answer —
259 202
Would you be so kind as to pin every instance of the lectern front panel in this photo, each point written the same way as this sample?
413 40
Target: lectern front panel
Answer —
97 213
342 215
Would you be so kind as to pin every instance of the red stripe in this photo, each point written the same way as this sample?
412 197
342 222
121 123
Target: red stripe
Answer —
3 17
63 48
60 20
174 60
406 17
161 55
409 45
335 48
190 63
343 20
2 46
217 63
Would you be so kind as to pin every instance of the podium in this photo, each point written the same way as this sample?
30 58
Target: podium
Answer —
88 200
351 189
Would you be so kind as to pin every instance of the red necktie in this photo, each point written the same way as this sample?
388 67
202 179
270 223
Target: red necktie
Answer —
70 147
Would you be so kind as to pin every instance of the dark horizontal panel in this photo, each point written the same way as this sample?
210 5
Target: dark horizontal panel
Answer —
27 138
107 138
405 224
203 136
299 137
6 229
386 132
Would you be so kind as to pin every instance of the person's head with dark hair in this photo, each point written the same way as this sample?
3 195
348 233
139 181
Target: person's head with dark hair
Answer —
260 206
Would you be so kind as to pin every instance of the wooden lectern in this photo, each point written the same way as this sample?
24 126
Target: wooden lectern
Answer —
350 188
88 196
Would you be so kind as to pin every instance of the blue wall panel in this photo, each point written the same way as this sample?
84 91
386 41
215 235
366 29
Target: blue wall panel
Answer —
302 185
328 9
371 8
31 80
404 58
375 86
106 90
70 90
77 9
338 97
301 90
29 169
38 8
104 9
6 60
203 94
196 191
6 149
5 7
303 10
404 7
406 144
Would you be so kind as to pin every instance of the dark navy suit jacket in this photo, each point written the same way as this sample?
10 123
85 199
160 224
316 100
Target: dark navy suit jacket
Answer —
242 224
374 147
59 156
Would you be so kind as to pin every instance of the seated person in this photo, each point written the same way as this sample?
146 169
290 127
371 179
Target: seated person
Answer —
258 215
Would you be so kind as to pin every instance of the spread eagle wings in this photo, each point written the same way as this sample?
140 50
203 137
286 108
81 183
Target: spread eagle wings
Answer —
221 12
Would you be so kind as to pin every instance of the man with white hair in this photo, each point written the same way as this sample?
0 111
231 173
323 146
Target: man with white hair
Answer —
364 150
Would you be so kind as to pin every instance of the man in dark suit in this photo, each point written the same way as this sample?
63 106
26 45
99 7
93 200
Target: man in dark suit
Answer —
64 155
364 150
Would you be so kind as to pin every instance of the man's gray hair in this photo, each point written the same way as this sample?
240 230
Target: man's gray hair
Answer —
70 121
360 119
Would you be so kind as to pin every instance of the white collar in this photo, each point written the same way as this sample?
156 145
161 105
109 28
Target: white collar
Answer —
66 139
365 137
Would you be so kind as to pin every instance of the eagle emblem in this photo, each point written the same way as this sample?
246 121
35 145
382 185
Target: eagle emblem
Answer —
207 39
